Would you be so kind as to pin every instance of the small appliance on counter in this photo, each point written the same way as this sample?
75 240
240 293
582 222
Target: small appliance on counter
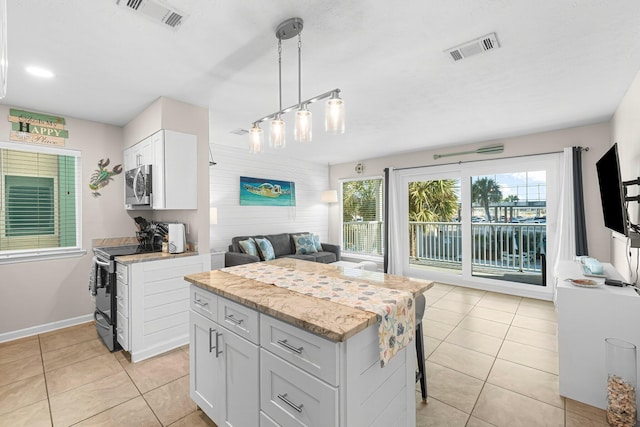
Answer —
177 239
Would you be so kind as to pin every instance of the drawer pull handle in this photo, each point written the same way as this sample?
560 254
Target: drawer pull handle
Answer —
285 344
200 303
283 397
233 320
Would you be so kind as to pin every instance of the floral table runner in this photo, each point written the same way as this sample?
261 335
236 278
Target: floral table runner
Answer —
394 308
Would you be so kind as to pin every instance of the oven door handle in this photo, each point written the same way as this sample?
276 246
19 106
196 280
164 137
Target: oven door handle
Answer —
95 316
103 263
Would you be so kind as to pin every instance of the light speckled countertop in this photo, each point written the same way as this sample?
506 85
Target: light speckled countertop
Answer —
151 256
333 321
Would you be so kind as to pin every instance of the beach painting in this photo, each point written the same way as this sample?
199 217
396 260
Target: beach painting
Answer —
266 192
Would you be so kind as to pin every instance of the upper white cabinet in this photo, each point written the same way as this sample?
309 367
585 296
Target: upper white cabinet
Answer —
173 159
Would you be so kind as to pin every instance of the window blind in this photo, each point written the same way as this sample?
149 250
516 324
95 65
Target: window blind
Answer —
362 217
39 199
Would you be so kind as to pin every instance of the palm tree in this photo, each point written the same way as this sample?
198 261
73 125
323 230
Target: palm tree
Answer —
360 198
511 198
485 191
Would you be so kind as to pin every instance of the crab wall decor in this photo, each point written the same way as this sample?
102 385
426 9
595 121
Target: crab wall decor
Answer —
102 176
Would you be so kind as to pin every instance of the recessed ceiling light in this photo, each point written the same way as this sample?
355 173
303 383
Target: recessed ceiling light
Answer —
39 72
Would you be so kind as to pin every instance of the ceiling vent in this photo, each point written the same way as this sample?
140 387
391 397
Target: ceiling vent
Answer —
239 131
155 10
473 47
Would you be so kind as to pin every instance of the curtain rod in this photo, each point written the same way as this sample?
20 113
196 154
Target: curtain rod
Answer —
485 160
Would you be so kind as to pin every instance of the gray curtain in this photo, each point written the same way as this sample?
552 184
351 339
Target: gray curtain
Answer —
578 203
385 265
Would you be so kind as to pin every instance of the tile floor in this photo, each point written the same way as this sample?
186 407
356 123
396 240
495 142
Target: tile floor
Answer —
491 360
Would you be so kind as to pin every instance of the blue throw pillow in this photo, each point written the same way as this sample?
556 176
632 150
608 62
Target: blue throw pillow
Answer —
316 243
248 247
265 248
304 244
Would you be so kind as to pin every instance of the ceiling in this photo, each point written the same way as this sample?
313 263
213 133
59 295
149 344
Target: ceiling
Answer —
561 63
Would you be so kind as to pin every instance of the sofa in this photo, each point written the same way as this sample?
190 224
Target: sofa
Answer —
284 246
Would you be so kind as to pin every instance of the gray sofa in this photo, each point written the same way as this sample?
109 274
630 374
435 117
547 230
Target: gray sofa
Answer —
283 247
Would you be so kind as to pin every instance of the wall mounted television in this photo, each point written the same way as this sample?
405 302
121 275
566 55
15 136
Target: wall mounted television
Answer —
612 194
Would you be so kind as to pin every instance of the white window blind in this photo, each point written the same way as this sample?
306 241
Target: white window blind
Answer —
362 217
39 200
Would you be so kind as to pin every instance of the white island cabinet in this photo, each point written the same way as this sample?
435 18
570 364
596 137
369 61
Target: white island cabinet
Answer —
254 362
153 301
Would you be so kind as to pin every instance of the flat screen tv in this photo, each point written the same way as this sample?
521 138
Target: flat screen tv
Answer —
612 191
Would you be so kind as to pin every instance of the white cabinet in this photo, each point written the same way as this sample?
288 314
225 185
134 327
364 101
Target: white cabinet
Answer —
224 370
173 159
153 304
270 373
586 316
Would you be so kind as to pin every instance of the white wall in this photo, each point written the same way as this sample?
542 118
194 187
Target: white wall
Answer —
42 292
625 130
596 137
310 180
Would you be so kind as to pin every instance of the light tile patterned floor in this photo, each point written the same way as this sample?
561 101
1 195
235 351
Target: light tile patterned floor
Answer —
491 361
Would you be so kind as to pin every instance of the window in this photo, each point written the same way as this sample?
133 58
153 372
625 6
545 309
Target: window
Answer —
362 217
39 201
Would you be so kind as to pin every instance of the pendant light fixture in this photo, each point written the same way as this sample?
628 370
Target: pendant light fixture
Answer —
334 120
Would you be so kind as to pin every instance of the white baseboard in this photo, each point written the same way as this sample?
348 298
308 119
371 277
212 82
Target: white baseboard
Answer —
47 327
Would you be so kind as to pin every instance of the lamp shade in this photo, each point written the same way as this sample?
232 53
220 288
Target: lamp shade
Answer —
330 196
303 126
256 140
277 133
334 115
213 215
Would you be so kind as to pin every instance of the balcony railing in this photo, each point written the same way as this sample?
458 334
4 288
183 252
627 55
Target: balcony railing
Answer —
504 246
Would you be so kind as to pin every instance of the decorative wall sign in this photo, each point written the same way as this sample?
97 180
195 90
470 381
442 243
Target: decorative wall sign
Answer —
37 128
101 177
266 192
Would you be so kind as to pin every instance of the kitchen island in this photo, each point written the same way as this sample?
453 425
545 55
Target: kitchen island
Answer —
265 355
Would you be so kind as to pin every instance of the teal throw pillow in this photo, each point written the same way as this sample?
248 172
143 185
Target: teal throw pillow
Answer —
304 244
316 243
248 247
265 248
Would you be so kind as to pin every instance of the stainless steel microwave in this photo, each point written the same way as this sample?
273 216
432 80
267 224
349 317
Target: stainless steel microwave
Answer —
138 193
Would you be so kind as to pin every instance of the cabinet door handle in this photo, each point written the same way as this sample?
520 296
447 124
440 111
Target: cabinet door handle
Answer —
211 330
283 397
233 320
218 353
286 345
200 303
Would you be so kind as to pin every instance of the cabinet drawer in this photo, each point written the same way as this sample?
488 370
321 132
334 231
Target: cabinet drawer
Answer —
122 273
292 397
203 302
122 297
239 319
123 331
314 354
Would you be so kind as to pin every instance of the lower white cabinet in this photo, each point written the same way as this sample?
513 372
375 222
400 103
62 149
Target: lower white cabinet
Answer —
270 373
224 369
153 304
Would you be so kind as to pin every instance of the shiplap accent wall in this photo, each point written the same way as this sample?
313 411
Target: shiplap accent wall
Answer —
309 214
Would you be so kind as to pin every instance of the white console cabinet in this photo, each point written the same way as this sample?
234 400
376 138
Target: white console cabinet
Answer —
153 304
586 316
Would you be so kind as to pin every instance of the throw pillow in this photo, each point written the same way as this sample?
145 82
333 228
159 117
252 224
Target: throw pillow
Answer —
248 247
304 244
316 243
265 248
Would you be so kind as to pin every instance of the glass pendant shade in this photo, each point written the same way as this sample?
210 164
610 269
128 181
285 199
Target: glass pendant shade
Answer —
303 125
277 133
256 140
334 116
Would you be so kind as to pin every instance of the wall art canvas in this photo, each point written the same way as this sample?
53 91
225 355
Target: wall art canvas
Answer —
266 192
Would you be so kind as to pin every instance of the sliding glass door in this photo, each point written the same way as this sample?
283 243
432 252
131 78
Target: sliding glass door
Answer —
479 222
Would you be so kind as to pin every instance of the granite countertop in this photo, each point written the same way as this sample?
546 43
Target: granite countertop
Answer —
151 256
333 321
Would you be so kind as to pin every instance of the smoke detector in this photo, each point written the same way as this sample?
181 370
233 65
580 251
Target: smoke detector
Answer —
156 10
480 45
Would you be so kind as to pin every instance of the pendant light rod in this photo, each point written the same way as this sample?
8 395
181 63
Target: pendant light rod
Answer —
295 106
280 74
299 71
